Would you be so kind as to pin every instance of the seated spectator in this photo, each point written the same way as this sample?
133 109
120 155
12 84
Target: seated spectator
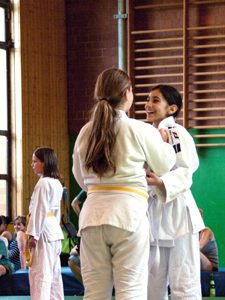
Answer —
5 235
17 245
74 263
208 249
5 264
4 221
78 202
74 259
3 224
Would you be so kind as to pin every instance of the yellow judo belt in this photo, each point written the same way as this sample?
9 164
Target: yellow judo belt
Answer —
28 250
140 192
50 214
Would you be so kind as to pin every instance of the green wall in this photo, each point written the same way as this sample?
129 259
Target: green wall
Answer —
208 189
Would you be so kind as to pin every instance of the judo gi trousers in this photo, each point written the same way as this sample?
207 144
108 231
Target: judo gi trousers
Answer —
180 267
45 272
111 256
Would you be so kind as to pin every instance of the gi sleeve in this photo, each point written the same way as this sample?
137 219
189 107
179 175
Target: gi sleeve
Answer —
77 168
179 179
39 210
160 155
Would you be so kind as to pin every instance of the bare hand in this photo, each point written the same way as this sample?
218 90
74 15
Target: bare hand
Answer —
153 179
74 251
32 242
164 135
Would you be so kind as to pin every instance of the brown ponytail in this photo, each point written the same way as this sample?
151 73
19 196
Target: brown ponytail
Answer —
110 89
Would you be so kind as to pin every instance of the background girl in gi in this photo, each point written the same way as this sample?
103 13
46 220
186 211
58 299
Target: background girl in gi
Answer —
44 231
175 218
109 160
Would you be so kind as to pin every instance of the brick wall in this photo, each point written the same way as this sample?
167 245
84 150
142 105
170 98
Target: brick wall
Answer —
92 42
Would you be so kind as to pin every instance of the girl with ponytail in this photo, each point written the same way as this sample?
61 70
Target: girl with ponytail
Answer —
110 156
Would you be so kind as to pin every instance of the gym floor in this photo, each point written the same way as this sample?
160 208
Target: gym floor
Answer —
80 298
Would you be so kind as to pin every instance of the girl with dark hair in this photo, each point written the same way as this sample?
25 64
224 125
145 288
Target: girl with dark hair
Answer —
109 160
3 223
5 234
44 229
47 156
174 215
6 266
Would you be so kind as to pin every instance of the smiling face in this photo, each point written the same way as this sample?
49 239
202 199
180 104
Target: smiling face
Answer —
18 226
37 166
157 108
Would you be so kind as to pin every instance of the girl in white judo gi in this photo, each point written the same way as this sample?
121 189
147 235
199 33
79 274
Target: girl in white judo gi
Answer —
44 229
175 218
109 160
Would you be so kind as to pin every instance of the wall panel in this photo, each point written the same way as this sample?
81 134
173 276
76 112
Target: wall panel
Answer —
182 43
44 86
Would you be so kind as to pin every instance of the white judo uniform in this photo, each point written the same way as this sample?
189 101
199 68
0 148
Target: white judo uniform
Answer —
113 223
175 224
44 224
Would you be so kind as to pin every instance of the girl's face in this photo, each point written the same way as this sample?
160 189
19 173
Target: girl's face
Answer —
157 108
37 166
18 226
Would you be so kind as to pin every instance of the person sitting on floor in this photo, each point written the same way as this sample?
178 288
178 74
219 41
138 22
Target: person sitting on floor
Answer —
208 249
74 259
17 243
4 221
5 264
5 234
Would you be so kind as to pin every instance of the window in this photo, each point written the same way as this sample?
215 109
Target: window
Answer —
5 136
